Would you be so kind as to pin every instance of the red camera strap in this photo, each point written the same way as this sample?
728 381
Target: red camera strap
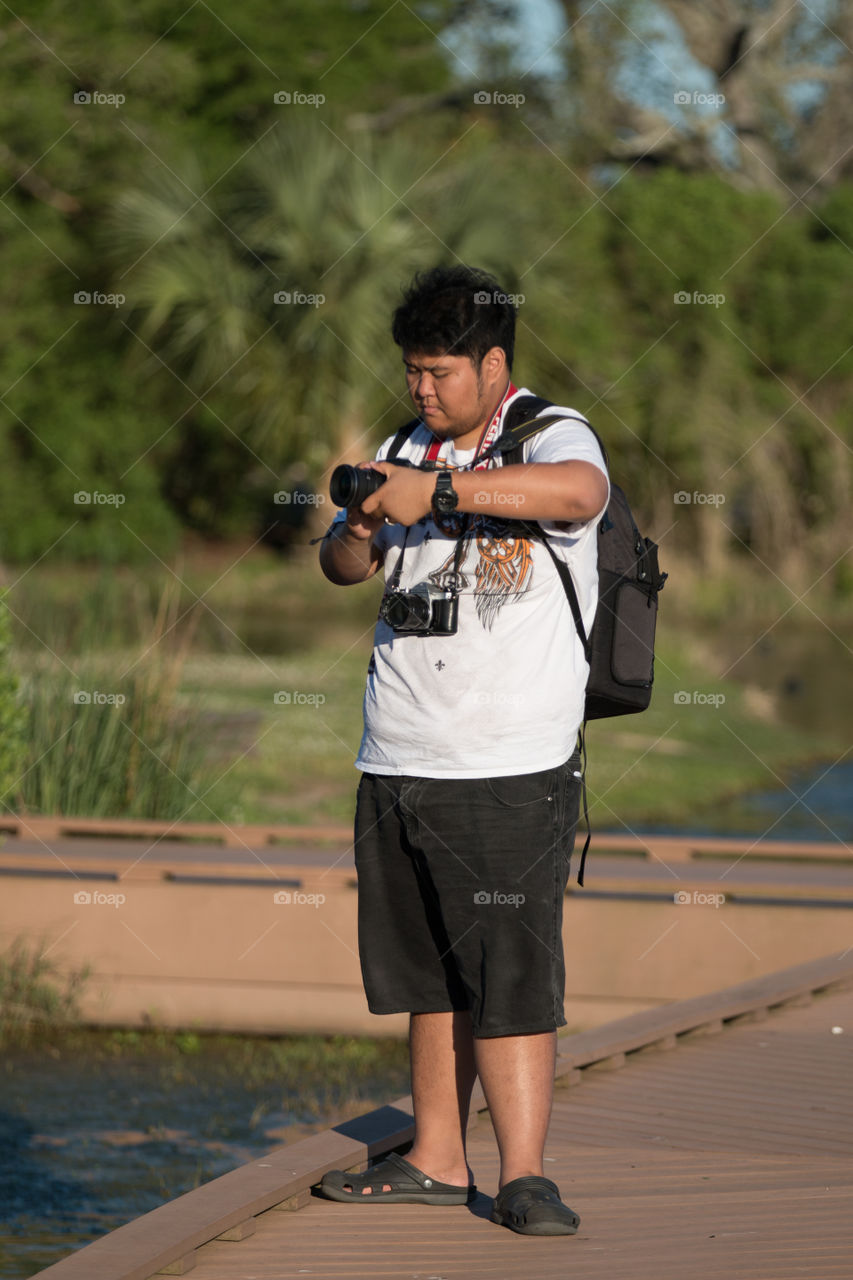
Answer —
489 433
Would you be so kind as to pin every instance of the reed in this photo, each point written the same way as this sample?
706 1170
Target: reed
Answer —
110 733
34 994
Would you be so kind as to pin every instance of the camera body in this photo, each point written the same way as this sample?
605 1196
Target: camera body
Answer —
423 610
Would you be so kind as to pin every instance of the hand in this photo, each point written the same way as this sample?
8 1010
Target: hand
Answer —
404 498
359 524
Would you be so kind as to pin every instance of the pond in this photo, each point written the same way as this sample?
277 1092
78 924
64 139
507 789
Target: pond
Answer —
97 1128
815 803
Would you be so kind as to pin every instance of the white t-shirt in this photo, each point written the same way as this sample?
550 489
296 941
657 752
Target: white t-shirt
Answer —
505 694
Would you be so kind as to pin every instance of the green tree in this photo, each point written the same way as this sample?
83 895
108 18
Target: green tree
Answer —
91 98
280 301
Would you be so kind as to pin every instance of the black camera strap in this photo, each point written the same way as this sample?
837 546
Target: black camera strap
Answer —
394 584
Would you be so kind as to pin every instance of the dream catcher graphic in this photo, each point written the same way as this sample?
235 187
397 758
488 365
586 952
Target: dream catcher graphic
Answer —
503 570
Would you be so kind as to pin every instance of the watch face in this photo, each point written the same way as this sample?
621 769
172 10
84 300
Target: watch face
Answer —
444 498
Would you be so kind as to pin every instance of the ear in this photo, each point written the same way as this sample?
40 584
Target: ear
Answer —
494 364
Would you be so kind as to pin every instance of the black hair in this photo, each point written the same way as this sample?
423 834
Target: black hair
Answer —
458 311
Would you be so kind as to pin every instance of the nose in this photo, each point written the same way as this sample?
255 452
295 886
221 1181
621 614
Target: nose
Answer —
423 386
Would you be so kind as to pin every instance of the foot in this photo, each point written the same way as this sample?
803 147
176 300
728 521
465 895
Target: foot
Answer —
532 1207
394 1181
457 1172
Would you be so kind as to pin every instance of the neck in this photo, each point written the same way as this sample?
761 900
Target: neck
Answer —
498 401
474 438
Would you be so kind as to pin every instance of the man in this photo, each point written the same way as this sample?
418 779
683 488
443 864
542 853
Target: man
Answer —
468 802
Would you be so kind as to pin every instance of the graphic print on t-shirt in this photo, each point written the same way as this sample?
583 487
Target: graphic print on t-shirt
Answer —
503 569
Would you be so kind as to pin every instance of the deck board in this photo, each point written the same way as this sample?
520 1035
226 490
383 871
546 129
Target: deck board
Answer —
729 1156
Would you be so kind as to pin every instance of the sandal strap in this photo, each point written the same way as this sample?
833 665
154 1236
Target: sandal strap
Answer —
530 1182
408 1170
418 1176
399 1175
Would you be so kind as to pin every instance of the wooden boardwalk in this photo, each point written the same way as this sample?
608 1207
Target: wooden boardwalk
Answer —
711 1138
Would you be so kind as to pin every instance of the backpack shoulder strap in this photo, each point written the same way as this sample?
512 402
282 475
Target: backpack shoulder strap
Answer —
522 421
565 575
520 424
401 436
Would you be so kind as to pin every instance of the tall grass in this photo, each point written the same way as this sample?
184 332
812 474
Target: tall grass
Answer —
34 995
12 748
109 735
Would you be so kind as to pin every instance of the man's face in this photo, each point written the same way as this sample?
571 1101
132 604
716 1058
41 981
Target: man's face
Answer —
454 396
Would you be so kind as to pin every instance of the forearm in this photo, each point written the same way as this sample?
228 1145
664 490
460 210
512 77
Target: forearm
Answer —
346 559
537 491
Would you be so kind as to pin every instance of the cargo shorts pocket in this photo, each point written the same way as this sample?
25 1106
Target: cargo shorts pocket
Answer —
520 791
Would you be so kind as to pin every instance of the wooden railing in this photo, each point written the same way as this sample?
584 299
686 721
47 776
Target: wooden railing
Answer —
261 835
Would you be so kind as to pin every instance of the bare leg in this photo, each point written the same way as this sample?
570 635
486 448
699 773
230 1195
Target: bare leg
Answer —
517 1075
442 1058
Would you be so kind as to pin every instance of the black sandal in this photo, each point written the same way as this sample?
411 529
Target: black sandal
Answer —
532 1207
408 1186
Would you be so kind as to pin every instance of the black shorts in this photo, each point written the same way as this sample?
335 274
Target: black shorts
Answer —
461 884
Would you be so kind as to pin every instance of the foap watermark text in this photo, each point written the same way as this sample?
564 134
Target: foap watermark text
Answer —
683 498
294 98
682 298
695 697
496 899
696 898
96 898
293 697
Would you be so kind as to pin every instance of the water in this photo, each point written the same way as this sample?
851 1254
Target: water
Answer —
100 1127
820 808
816 804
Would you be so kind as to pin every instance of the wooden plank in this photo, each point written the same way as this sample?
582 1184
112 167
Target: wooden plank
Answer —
136 867
237 835
680 848
181 1266
638 1029
231 835
149 869
241 1231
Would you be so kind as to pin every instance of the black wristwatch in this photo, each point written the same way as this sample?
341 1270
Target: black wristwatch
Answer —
445 499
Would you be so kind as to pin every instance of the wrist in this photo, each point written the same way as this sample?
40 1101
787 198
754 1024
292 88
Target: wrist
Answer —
444 499
347 531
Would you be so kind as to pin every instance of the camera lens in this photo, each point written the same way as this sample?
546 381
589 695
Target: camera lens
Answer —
406 611
349 486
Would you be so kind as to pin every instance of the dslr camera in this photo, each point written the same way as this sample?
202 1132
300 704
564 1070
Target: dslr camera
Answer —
349 486
424 610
